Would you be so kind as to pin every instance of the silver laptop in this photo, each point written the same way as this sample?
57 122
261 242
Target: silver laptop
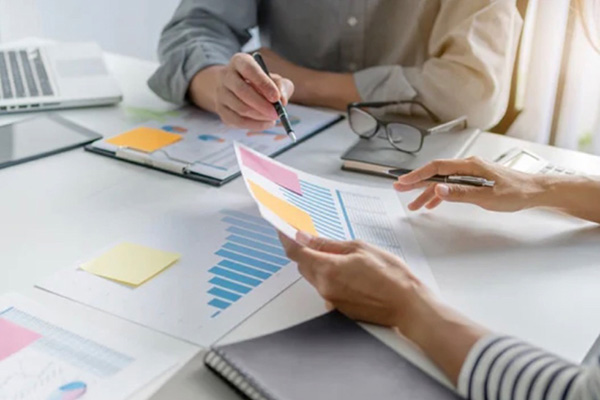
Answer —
54 76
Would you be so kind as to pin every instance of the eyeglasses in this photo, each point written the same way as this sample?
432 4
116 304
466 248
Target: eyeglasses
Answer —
403 136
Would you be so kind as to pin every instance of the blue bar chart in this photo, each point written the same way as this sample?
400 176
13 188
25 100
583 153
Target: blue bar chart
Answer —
319 203
250 255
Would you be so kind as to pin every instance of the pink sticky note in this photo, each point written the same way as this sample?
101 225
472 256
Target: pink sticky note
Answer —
14 338
271 170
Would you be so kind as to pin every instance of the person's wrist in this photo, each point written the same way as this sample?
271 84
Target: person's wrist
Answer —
412 308
564 192
550 191
532 191
202 89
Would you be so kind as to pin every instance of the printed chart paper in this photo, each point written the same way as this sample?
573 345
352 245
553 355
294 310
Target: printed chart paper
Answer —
206 146
231 265
130 263
292 200
60 355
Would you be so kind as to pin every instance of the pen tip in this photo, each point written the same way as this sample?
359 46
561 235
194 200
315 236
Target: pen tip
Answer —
293 137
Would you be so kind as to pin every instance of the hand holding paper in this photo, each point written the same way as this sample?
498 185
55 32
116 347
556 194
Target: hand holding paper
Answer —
294 201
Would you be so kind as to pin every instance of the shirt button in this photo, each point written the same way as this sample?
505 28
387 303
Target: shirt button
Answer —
352 21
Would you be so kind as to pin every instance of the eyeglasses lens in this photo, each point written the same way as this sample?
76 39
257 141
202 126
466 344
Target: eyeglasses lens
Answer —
405 137
362 123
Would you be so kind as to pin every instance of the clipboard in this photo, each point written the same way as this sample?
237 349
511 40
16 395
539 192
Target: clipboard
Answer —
189 170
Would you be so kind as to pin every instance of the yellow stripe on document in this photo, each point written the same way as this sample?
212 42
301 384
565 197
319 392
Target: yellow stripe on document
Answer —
291 214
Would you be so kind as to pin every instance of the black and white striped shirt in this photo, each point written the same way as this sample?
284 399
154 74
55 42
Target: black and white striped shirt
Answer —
501 367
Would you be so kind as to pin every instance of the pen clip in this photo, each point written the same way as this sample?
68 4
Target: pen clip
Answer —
138 157
458 179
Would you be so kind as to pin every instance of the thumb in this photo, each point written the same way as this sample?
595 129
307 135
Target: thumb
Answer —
322 244
286 88
458 193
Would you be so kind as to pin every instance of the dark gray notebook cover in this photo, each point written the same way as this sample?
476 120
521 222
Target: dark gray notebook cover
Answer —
330 357
379 151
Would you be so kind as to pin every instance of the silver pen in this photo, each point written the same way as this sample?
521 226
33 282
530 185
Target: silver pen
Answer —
452 179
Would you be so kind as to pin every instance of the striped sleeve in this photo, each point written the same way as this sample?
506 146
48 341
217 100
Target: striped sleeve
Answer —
501 367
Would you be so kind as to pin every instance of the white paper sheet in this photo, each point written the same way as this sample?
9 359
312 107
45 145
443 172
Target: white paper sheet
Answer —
231 265
72 357
338 211
207 144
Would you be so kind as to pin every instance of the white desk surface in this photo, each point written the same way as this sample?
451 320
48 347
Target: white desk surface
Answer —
534 274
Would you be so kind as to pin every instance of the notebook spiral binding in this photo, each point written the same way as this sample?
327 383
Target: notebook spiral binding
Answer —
234 376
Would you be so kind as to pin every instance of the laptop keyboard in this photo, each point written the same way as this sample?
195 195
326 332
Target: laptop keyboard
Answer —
23 74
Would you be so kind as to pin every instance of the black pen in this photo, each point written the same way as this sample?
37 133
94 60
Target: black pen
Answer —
279 108
452 179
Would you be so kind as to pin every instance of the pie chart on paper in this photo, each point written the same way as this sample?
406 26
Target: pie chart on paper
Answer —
174 129
70 391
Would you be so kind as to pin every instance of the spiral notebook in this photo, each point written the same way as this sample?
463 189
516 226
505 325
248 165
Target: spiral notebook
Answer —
329 357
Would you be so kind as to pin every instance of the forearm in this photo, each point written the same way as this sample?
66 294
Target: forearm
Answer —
312 87
577 196
445 336
477 362
200 34
326 89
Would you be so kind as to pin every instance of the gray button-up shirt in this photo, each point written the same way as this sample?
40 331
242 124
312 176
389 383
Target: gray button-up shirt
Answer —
454 55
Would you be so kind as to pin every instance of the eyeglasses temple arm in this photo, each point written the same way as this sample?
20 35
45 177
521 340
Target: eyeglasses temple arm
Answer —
461 121
377 104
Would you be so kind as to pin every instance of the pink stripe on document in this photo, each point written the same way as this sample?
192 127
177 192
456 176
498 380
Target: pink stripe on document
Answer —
271 170
14 338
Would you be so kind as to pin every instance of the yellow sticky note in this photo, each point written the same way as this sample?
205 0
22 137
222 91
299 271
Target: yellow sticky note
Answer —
145 139
291 214
130 263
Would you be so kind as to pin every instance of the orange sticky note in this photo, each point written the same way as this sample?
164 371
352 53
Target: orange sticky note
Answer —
291 214
145 139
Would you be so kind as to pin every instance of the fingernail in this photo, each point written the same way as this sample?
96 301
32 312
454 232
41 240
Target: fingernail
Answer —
443 190
398 186
274 96
303 238
284 93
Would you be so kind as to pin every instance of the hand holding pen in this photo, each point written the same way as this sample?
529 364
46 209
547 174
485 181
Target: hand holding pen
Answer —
476 181
241 93
498 188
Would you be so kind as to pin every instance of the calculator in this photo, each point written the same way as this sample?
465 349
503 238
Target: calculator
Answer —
525 161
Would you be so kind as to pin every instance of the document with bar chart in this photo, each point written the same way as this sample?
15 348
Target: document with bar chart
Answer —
293 200
231 265
50 354
203 145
